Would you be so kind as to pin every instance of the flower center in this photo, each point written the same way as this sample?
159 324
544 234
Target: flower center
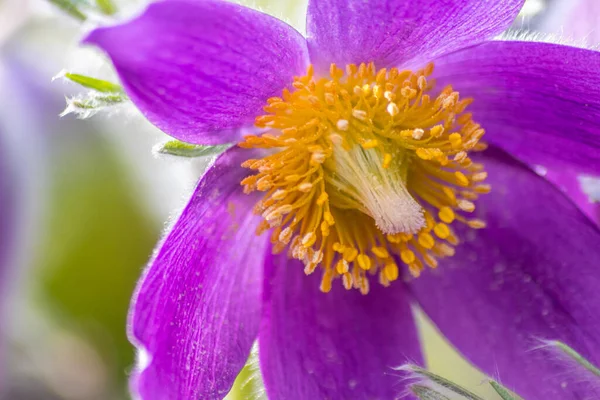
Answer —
365 169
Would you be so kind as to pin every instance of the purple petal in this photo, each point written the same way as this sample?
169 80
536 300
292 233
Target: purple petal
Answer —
531 274
197 309
392 32
339 345
539 101
568 181
202 70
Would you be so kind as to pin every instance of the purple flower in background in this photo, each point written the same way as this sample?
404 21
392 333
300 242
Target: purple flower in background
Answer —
363 170
9 207
577 20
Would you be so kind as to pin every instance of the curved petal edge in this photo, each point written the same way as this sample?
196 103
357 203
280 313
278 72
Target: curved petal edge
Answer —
201 71
196 311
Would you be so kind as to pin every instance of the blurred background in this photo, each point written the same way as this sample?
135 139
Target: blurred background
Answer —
84 201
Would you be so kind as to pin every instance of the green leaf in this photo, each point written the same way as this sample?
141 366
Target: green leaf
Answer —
503 392
71 8
438 380
181 149
106 6
97 238
249 383
93 83
427 393
575 356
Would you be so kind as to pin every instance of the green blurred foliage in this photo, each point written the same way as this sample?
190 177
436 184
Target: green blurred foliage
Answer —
71 7
106 6
97 241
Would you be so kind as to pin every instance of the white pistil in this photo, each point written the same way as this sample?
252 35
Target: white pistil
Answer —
380 192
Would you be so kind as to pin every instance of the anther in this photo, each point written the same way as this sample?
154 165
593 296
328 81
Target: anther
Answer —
393 109
350 254
370 144
446 215
426 240
359 114
466 205
461 179
455 139
479 177
322 198
309 239
347 281
476 224
418 133
380 252
318 158
342 124
424 154
286 235
460 156
437 131
391 271
279 194
442 231
278 212
342 266
407 256
364 261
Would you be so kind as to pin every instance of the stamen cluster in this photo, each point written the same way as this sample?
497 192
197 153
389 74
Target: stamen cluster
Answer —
365 169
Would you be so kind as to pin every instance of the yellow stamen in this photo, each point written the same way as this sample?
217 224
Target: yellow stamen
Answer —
365 167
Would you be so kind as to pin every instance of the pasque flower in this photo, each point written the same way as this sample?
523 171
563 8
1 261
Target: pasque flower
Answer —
361 186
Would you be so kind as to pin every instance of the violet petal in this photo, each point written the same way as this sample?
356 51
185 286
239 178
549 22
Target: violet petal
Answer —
393 32
568 181
197 309
539 101
202 70
530 275
337 345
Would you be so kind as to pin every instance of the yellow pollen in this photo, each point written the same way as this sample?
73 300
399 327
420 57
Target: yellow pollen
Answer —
418 134
466 205
309 239
446 214
342 124
391 271
442 231
407 256
393 109
364 173
364 261
342 266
